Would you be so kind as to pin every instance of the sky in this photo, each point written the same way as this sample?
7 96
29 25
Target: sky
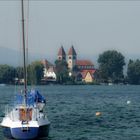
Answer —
91 26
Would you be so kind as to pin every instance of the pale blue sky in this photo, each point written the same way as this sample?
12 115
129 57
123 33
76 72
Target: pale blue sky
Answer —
91 27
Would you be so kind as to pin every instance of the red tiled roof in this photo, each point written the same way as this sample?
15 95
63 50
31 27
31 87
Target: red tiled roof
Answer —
84 62
61 51
72 51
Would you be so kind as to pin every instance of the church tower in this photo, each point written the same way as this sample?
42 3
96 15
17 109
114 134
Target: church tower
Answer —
61 54
72 57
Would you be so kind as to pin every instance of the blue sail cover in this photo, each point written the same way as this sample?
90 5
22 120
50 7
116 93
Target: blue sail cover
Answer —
37 96
33 97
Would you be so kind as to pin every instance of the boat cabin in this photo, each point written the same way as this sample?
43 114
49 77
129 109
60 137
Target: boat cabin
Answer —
25 114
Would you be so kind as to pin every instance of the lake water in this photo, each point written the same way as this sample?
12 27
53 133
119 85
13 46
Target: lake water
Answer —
71 110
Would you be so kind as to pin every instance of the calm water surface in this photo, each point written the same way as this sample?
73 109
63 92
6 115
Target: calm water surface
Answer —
71 110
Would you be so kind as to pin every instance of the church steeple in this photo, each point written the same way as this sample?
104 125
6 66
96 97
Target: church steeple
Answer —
61 54
72 51
72 57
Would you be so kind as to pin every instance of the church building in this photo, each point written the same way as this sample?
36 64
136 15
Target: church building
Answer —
85 68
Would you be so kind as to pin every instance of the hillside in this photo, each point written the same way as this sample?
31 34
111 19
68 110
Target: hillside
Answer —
8 56
14 58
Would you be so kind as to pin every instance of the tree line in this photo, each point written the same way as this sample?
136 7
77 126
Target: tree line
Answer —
13 75
111 65
111 68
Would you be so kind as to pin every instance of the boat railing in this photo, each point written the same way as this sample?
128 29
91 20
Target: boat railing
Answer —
21 112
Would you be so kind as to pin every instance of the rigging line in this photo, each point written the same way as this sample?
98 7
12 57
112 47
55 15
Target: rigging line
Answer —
28 68
19 68
27 40
24 53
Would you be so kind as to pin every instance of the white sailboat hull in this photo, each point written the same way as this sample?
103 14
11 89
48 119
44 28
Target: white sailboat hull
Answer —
30 130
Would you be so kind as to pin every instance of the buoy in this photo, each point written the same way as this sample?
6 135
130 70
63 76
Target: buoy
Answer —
128 102
98 113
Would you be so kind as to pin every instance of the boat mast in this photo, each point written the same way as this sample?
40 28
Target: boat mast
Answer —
24 51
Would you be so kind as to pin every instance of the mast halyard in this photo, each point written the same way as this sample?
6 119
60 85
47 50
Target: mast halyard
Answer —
24 50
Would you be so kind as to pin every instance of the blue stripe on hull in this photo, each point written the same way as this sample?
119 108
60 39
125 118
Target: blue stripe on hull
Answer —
7 132
25 133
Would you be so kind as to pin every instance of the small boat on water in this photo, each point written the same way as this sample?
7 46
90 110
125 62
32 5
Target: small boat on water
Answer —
110 84
2 85
26 119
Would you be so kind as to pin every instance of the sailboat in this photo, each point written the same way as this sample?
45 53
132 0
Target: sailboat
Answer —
26 118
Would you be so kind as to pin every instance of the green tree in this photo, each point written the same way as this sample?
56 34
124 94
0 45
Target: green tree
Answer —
7 74
111 65
35 73
61 71
133 72
19 72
